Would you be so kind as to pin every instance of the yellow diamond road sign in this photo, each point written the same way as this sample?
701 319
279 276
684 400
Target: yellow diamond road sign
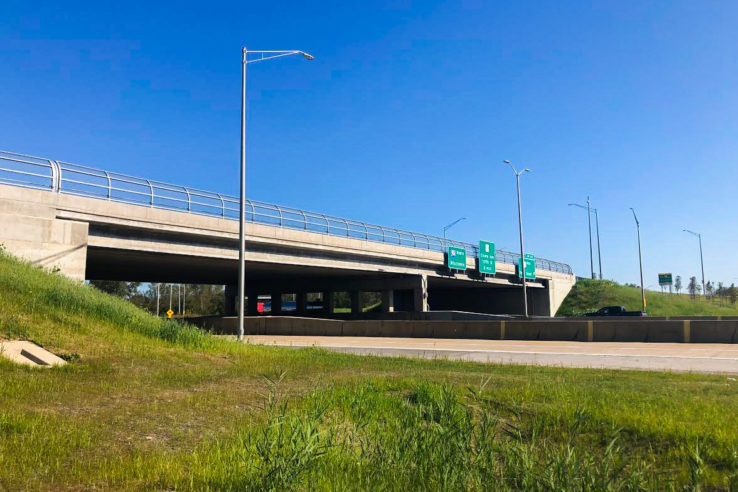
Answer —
169 313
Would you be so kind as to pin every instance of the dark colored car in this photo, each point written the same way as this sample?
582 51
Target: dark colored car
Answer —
614 311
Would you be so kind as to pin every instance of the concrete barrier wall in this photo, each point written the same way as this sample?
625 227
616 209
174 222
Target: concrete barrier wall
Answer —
592 330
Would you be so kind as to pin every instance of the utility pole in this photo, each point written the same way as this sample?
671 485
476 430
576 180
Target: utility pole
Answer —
157 299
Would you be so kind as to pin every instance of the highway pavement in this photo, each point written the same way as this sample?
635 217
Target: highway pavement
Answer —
705 358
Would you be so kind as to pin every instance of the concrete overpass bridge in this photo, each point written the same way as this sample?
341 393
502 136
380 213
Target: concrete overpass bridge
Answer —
94 224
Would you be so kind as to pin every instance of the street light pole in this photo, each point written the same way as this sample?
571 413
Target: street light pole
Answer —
261 56
242 203
589 210
599 251
520 229
640 261
702 263
445 228
589 226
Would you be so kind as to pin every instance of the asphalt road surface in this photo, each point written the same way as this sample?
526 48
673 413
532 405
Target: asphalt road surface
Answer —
708 358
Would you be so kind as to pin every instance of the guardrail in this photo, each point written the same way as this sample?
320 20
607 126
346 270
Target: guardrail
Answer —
74 179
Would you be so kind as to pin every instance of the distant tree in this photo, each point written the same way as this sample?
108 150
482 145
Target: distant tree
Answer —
342 300
678 284
720 292
693 287
709 289
118 288
733 293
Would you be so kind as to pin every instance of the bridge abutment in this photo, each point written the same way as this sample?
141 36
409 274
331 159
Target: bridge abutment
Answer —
33 232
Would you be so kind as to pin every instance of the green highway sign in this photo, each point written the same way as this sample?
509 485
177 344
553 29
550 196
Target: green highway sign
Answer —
487 258
665 279
456 258
530 267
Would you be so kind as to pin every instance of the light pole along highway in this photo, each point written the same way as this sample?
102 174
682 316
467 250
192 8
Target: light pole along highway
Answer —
445 228
702 263
589 210
640 261
520 228
259 56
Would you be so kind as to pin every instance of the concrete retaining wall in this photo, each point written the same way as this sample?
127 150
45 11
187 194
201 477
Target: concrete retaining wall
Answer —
655 331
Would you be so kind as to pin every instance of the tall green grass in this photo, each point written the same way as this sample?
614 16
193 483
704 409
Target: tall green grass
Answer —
589 295
431 436
37 292
152 405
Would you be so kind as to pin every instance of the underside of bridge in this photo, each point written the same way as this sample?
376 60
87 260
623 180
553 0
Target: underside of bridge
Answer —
400 292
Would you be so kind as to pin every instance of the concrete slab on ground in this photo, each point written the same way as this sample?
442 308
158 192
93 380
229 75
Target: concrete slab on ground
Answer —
30 354
682 357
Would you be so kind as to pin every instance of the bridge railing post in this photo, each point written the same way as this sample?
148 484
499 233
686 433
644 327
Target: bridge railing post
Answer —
189 199
55 176
151 190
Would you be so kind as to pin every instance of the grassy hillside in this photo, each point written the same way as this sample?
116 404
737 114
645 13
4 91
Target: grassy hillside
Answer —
590 295
150 405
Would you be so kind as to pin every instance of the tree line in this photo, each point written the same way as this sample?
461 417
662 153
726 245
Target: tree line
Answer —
720 291
190 300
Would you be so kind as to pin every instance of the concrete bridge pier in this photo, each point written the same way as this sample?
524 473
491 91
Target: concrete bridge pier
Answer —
420 294
276 300
301 303
355 301
388 301
252 300
231 300
329 303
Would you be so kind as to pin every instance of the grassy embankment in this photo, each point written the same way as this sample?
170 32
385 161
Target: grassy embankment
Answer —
590 295
146 404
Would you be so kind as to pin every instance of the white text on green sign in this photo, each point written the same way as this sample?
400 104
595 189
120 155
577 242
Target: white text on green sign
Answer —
456 258
530 267
487 258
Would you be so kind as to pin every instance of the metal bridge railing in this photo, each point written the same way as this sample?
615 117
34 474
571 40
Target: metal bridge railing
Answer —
74 179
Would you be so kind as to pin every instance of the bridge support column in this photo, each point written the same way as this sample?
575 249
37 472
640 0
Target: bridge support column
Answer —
276 303
420 294
329 303
388 301
301 303
253 298
355 301
231 298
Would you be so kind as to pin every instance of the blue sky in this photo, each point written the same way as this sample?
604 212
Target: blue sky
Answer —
407 112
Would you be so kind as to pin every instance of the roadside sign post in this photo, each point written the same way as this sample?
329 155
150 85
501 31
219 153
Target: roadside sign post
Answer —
527 267
487 265
456 258
665 279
